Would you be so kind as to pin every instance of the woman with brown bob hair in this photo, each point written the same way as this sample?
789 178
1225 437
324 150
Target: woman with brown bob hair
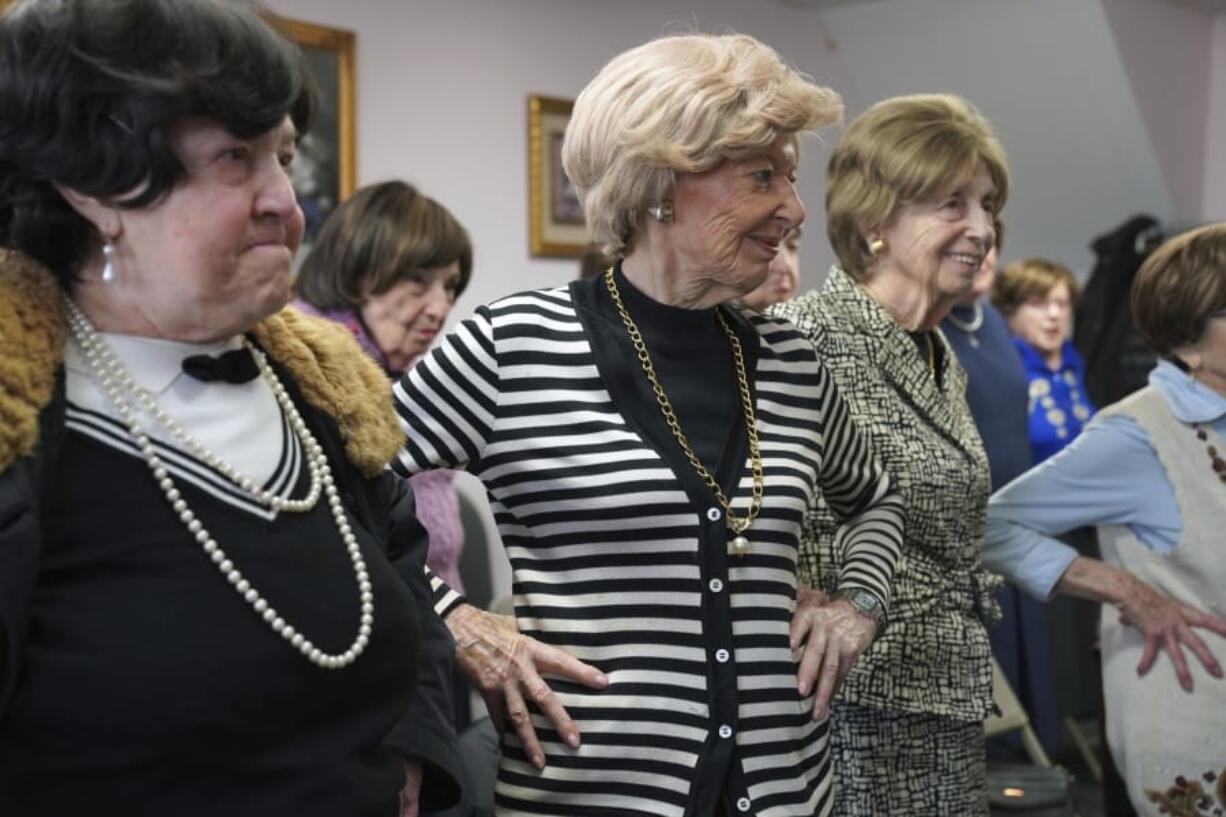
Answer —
389 264
1149 473
1037 298
914 194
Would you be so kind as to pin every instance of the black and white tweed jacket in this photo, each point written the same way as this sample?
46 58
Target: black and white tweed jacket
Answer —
933 656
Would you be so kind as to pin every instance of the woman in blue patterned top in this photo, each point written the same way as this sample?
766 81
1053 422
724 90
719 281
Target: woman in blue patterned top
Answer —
1037 297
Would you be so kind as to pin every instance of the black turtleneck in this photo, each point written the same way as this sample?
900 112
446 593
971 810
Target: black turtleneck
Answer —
692 357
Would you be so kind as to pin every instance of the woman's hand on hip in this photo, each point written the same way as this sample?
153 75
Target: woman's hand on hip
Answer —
1166 623
506 667
833 635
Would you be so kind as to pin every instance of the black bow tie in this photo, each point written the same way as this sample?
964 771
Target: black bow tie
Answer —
237 366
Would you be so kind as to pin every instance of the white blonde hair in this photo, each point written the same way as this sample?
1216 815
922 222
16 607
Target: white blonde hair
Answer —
680 104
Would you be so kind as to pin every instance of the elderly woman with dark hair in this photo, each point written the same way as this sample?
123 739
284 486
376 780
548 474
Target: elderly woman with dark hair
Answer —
914 193
649 453
212 594
1148 473
388 265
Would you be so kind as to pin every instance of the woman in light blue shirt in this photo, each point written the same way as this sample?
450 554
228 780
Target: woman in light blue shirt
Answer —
1149 472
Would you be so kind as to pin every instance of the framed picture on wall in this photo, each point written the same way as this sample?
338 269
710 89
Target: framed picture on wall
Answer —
325 168
555 214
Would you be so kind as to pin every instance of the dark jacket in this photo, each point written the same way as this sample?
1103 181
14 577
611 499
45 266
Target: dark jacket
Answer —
1117 363
332 400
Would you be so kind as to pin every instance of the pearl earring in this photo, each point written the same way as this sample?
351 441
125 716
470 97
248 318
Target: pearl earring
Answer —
108 268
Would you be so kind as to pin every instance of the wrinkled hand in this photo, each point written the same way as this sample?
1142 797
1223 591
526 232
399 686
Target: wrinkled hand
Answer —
506 668
410 795
834 635
1166 624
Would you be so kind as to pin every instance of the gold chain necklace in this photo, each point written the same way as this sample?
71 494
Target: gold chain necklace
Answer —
738 525
932 355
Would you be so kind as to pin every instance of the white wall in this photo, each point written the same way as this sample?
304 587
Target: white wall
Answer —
1166 51
442 90
1105 107
1214 199
1047 74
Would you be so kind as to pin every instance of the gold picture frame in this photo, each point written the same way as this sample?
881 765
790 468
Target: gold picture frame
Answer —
555 215
325 170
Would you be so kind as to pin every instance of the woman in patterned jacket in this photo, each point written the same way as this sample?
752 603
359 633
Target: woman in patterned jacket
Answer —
913 199
649 453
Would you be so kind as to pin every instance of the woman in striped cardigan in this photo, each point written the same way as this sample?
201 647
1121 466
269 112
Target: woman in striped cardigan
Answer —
649 454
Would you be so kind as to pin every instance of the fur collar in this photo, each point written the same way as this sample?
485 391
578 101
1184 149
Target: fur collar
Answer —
333 374
337 378
32 328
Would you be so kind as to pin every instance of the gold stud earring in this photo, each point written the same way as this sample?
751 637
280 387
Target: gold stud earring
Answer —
876 247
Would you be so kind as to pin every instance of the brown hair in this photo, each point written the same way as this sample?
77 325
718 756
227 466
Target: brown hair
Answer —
381 235
902 150
1179 287
1020 281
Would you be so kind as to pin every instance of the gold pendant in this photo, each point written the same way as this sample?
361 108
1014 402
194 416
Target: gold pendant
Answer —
739 545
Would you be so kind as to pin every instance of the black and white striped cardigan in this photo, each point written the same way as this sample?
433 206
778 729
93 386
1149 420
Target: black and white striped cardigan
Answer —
619 555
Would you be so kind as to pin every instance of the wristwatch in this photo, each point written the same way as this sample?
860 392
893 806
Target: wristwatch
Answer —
866 603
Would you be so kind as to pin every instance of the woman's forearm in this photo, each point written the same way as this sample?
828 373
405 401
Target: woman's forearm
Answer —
1098 581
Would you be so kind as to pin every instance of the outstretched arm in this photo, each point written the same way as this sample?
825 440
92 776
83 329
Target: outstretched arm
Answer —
1109 475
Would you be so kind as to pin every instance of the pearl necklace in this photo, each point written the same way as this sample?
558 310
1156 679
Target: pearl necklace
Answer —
969 327
115 381
119 376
